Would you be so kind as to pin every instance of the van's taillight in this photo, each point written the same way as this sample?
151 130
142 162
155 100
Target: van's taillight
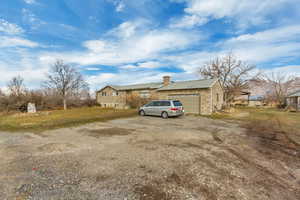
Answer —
174 109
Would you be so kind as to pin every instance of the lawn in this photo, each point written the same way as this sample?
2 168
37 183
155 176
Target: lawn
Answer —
266 122
59 118
249 113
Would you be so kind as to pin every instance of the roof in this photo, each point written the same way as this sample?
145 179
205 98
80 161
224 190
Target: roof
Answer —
183 85
137 86
295 94
256 98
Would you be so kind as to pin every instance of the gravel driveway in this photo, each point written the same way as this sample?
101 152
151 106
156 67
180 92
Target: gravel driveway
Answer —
145 158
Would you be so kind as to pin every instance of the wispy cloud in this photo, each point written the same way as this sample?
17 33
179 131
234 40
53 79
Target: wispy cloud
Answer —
30 1
10 28
130 47
6 41
243 13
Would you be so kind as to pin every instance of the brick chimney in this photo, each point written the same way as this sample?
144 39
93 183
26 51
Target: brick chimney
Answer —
167 80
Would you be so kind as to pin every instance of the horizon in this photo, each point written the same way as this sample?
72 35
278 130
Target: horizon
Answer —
123 42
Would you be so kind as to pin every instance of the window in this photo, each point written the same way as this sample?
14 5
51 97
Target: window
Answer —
165 103
217 97
144 94
116 93
156 103
103 93
177 103
150 104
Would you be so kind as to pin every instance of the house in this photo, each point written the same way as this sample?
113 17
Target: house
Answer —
293 100
197 96
256 101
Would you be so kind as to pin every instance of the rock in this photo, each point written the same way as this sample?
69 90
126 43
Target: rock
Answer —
31 108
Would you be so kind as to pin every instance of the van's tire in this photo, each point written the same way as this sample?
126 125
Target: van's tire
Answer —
164 115
142 113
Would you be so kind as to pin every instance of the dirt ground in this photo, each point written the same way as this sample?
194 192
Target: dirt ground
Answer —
147 158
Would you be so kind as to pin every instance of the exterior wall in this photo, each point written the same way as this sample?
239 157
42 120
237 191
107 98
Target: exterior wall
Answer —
255 103
205 97
111 101
211 99
294 102
217 97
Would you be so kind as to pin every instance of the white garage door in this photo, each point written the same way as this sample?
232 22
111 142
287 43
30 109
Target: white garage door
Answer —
191 102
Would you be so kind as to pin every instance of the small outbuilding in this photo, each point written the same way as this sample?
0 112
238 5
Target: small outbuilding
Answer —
293 100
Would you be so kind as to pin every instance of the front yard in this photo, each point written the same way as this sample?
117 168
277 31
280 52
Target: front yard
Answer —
243 156
59 118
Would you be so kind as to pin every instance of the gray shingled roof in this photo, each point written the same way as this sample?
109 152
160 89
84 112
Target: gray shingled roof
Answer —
138 86
181 85
295 94
196 84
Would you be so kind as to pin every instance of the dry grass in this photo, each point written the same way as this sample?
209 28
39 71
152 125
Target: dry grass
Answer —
276 129
59 118
108 132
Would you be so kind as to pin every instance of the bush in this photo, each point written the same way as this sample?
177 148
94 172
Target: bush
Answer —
135 101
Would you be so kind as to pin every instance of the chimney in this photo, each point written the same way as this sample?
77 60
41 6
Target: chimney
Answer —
166 80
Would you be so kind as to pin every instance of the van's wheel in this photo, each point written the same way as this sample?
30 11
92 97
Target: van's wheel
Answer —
164 115
142 113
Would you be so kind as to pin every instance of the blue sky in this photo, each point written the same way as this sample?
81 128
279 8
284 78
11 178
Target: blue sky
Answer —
135 41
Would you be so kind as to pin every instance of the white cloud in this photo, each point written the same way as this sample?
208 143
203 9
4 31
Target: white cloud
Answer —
290 70
92 69
120 6
244 12
16 42
273 45
30 1
29 17
149 65
10 28
98 81
188 21
131 48
130 28
143 65
266 45
26 68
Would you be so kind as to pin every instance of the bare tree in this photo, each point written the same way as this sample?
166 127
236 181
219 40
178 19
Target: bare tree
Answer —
16 86
281 84
232 73
65 80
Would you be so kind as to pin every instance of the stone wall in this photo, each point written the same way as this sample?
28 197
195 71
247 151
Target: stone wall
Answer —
205 97
111 100
211 99
218 96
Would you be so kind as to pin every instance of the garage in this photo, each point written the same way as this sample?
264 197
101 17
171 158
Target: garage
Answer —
191 102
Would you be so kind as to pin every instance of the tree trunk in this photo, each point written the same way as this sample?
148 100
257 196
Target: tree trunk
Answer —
65 103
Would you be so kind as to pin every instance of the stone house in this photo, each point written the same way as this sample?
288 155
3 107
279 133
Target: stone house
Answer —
293 100
197 96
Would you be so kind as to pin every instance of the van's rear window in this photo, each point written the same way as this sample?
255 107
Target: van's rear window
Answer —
177 103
